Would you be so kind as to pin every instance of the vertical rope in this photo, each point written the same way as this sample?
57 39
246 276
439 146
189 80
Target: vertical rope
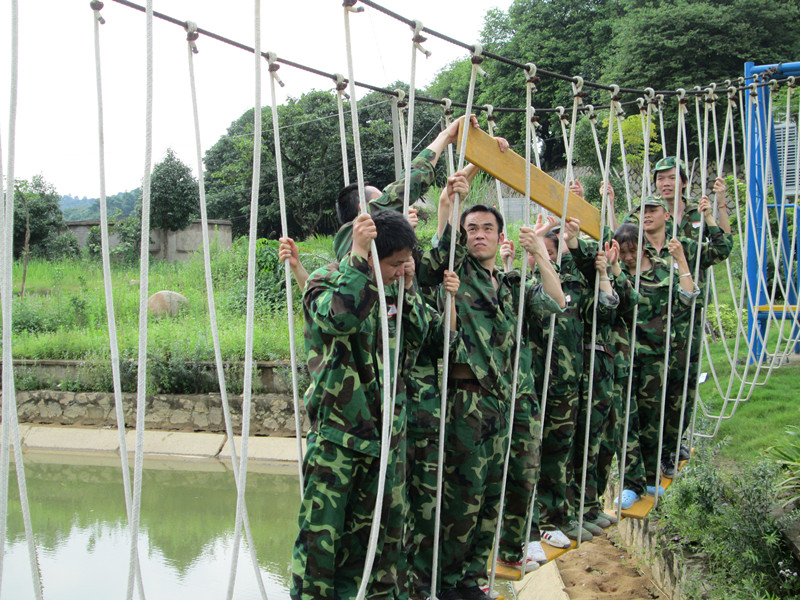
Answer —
108 290
212 310
341 86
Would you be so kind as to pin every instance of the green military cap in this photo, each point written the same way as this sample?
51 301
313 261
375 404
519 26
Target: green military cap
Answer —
670 162
656 201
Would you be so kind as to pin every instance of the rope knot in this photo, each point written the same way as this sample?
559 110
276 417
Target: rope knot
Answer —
349 4
448 107
530 74
615 97
419 38
477 59
97 6
401 99
272 59
341 83
774 85
191 35
562 113
590 112
641 102
682 99
577 87
489 112
790 82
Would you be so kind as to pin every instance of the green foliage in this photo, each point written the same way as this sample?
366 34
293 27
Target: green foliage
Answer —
585 152
787 455
122 204
732 519
721 318
174 196
36 209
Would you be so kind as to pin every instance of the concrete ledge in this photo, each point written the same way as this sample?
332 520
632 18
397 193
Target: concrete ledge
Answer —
544 583
177 443
265 448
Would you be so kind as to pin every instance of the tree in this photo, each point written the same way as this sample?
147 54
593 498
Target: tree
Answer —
37 214
174 196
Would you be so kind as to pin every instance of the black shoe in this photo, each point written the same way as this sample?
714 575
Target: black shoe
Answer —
474 593
450 594
685 453
668 468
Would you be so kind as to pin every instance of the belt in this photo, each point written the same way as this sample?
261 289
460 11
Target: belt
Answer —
469 385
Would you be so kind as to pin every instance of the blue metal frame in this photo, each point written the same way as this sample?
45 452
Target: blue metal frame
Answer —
758 122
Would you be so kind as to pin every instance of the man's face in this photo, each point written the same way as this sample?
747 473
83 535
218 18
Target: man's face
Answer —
666 182
393 266
655 218
628 254
483 235
552 249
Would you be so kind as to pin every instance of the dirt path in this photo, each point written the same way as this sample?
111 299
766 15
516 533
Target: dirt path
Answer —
599 570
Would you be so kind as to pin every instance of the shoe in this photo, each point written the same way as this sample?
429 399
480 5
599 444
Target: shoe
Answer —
592 528
530 564
599 521
536 552
475 592
491 594
572 532
629 498
685 453
610 518
556 539
651 490
668 468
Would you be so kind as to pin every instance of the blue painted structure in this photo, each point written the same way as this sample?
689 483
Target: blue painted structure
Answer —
758 124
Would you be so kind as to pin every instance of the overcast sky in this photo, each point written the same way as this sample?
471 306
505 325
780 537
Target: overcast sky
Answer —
56 126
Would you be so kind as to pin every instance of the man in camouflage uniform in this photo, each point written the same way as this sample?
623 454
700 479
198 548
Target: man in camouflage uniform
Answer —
477 403
341 465
716 247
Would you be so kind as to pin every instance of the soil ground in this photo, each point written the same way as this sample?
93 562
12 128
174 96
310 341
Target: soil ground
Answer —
599 570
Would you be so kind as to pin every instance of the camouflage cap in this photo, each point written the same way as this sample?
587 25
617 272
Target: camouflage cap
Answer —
656 201
670 162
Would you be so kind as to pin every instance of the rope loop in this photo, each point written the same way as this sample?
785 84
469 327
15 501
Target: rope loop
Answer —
660 101
489 112
530 75
273 66
97 6
419 38
191 35
577 87
641 102
534 118
615 97
562 114
350 4
682 99
711 96
650 94
790 82
732 94
754 91
477 59
401 98
774 85
590 112
448 107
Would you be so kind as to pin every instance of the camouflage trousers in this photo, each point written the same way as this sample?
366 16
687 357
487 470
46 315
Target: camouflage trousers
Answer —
423 464
673 425
601 404
523 473
611 436
476 436
341 488
558 447
645 418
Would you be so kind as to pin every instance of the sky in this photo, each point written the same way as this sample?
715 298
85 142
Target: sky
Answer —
57 122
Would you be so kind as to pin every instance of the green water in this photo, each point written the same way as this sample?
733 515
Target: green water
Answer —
185 535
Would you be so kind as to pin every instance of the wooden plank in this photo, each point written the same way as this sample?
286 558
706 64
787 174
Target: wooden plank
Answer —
509 167
507 573
512 574
553 553
643 507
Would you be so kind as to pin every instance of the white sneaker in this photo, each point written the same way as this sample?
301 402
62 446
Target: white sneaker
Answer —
556 539
536 552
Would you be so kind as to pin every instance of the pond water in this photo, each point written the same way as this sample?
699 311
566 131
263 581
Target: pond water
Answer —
186 529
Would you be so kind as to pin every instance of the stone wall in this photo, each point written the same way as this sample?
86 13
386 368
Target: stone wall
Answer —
272 414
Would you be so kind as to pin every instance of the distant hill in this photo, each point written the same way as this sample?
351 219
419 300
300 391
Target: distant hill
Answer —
84 209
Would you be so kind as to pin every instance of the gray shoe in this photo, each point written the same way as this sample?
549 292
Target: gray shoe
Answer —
573 532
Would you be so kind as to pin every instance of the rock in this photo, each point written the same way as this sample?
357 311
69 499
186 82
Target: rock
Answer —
166 303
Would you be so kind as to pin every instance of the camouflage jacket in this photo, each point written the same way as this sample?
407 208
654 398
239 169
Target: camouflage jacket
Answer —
566 364
487 317
344 348
422 175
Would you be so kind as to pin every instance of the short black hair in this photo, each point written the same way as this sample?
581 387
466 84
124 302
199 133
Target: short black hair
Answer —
347 204
483 208
394 233
552 236
627 233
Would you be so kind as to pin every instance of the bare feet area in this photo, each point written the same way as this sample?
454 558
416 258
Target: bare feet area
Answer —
600 570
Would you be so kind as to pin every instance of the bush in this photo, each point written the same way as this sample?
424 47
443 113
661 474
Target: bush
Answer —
724 314
787 455
733 519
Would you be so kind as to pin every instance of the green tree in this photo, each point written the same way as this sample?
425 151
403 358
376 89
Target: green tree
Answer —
38 216
174 196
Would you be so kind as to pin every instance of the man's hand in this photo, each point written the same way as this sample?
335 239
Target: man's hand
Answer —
409 270
601 263
364 231
413 218
507 252
607 186
502 143
612 252
572 228
451 133
451 282
288 251
576 187
676 250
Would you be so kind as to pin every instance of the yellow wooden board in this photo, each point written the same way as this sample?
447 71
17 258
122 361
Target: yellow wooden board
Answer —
553 553
509 167
512 574
643 507
507 573
767 308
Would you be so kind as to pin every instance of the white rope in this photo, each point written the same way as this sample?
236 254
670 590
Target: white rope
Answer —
448 316
212 310
247 392
273 68
398 144
341 86
144 274
388 404
108 290
491 124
